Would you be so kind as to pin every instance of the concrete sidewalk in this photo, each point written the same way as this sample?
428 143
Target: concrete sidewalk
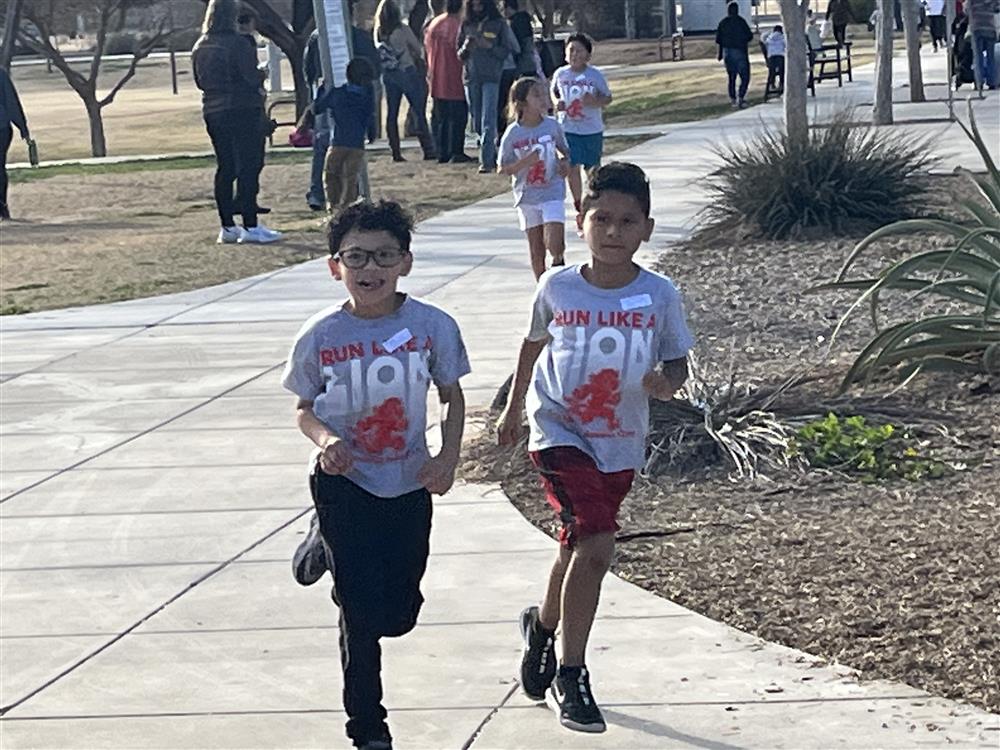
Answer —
153 489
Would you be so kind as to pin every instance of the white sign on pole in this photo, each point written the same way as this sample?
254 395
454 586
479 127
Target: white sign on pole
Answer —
334 39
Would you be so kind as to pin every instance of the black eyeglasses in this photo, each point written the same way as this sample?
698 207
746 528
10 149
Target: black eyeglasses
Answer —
384 257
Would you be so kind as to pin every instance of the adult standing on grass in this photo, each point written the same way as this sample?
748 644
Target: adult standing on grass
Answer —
838 13
444 73
581 93
11 114
483 47
400 53
225 69
983 30
733 35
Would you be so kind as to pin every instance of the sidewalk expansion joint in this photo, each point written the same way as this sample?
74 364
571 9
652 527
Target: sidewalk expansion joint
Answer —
489 717
190 587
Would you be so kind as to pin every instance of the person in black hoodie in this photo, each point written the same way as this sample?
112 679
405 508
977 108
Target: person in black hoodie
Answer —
225 69
733 36
11 113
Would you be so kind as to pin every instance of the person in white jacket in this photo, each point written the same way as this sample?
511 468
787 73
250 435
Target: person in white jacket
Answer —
938 23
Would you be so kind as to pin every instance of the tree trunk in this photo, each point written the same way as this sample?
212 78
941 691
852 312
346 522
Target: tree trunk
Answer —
793 15
911 23
882 111
98 143
11 24
549 22
630 19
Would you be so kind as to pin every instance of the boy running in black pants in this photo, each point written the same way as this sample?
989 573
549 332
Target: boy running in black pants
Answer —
604 337
361 370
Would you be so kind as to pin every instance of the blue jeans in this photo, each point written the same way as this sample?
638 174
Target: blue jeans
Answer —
737 64
411 84
983 43
321 140
483 99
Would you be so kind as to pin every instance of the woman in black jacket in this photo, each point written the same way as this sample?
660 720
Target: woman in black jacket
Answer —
11 113
225 69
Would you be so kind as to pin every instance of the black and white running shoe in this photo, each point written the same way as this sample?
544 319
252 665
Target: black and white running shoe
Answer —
574 704
538 664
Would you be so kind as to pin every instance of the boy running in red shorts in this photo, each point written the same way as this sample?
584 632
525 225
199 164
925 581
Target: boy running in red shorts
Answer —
604 337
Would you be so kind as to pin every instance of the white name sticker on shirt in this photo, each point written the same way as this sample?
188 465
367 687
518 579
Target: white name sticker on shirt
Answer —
634 303
395 341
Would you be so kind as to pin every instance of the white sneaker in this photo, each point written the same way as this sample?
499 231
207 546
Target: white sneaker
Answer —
230 235
259 235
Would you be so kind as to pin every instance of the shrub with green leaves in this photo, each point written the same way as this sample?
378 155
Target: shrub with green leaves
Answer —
845 175
966 278
871 451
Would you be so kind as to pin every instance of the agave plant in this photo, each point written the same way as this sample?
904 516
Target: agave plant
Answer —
968 273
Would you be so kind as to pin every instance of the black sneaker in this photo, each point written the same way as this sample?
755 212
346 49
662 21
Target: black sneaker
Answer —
309 562
538 665
574 704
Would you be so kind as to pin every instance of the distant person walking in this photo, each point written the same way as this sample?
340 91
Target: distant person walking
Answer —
225 69
483 47
838 13
444 71
938 23
400 53
11 116
983 30
732 36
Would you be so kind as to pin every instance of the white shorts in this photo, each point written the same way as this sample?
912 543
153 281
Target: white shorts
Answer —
534 215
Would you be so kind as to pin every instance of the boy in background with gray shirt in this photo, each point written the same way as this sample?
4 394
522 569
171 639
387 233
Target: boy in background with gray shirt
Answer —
361 371
605 336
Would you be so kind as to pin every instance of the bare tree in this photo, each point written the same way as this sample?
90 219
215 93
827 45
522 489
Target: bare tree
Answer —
13 20
793 19
40 39
882 111
911 27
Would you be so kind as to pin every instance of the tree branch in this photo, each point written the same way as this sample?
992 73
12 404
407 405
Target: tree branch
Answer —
140 54
42 44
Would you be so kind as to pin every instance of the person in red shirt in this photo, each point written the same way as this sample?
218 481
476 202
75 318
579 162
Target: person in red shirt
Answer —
444 75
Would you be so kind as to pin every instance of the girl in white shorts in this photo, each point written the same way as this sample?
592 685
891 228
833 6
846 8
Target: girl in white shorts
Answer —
534 152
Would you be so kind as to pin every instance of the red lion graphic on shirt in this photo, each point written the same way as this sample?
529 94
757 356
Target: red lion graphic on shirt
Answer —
575 110
536 173
597 398
384 428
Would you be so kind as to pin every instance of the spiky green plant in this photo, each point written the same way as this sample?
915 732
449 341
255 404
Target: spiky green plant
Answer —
843 176
967 274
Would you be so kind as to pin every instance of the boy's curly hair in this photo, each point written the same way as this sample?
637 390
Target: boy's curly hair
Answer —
384 216
621 177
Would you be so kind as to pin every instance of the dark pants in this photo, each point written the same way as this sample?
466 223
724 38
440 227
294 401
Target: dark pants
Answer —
236 140
938 27
6 136
737 64
840 33
411 84
776 72
378 553
448 119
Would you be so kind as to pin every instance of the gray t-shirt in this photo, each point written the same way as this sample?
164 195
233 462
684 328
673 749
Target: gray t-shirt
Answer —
570 86
586 388
368 381
541 182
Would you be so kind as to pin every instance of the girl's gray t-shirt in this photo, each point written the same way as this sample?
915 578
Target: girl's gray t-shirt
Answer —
586 388
541 182
368 381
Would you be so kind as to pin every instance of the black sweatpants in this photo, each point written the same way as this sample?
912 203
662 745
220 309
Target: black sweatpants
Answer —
236 137
6 136
378 553
448 120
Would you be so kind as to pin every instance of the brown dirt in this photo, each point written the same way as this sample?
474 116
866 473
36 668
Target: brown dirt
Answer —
897 579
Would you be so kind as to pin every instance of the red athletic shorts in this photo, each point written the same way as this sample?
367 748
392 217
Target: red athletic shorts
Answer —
585 498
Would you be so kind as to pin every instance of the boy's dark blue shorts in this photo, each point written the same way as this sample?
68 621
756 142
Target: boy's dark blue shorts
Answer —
585 150
585 498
